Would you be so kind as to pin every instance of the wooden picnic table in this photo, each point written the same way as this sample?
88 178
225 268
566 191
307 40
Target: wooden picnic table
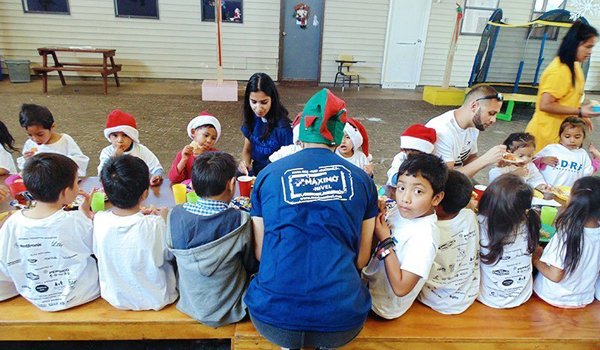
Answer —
106 68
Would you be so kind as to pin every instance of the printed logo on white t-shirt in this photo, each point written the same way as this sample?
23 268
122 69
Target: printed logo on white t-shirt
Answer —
326 183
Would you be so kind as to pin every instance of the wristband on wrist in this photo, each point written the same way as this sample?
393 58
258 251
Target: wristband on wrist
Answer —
383 254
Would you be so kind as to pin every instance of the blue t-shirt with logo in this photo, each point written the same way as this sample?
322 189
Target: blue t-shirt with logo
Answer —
260 150
313 204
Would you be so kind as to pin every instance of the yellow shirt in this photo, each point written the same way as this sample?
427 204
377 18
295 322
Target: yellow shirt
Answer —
556 80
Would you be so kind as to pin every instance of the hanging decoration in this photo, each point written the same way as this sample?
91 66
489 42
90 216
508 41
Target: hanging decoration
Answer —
301 14
237 15
582 8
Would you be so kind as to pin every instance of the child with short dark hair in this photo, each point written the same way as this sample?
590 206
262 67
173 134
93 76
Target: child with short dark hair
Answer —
135 266
509 234
570 263
7 164
396 275
40 127
453 283
212 244
47 234
121 131
521 146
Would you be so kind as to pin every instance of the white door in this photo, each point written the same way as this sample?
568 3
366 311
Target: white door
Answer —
405 43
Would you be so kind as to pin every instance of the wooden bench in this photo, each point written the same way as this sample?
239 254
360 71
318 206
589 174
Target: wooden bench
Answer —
535 325
106 68
98 320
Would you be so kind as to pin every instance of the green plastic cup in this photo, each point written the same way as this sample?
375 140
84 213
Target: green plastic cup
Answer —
97 202
192 197
548 214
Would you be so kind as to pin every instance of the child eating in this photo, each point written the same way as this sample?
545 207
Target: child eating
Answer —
121 131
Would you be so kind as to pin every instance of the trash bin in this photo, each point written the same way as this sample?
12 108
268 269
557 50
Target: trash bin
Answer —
18 71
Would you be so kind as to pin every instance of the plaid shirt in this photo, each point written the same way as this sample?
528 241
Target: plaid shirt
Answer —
205 207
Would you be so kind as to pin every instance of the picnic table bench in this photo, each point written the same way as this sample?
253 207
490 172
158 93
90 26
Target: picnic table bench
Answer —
106 68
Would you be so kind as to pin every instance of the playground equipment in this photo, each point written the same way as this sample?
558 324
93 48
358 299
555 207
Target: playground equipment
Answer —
512 57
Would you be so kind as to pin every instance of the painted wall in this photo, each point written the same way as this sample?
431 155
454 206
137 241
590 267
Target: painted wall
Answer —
356 28
178 45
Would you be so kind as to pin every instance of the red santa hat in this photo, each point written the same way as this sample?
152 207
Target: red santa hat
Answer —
204 119
119 121
358 135
418 137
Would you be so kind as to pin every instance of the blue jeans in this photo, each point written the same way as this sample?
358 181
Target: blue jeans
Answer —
299 339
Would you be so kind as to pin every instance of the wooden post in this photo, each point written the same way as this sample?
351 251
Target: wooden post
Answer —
218 14
452 50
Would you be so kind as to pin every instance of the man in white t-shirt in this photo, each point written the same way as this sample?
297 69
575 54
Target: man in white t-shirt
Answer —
453 283
457 131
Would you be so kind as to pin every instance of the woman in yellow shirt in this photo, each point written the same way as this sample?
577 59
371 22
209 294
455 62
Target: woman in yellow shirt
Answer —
561 86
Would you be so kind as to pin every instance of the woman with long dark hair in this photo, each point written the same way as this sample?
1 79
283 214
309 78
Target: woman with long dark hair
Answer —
561 86
266 126
7 164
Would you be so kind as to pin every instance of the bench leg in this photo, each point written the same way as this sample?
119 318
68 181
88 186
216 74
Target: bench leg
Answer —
112 63
105 81
45 82
62 78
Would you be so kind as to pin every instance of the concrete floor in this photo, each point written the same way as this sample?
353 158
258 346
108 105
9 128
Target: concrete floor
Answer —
163 109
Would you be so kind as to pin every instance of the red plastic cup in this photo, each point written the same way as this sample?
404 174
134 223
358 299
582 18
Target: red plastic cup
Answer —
245 185
17 188
479 189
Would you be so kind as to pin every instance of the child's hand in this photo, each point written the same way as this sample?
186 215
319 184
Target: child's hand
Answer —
382 230
28 154
118 151
86 206
187 152
551 161
163 212
594 151
243 167
156 180
148 210
368 169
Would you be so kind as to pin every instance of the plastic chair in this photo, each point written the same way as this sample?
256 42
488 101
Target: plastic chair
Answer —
346 61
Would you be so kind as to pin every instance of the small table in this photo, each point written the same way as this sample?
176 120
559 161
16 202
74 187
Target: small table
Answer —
347 74
106 68
159 196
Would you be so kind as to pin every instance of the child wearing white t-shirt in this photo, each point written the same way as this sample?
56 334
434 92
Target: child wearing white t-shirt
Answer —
521 146
47 251
408 237
570 263
416 138
453 282
509 234
563 163
355 137
7 147
39 125
135 266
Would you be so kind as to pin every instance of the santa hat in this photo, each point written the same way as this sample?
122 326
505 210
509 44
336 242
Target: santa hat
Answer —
119 121
358 135
323 119
418 137
204 119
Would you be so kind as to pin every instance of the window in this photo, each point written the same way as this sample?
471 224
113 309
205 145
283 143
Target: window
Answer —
136 8
539 7
476 15
231 10
60 7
